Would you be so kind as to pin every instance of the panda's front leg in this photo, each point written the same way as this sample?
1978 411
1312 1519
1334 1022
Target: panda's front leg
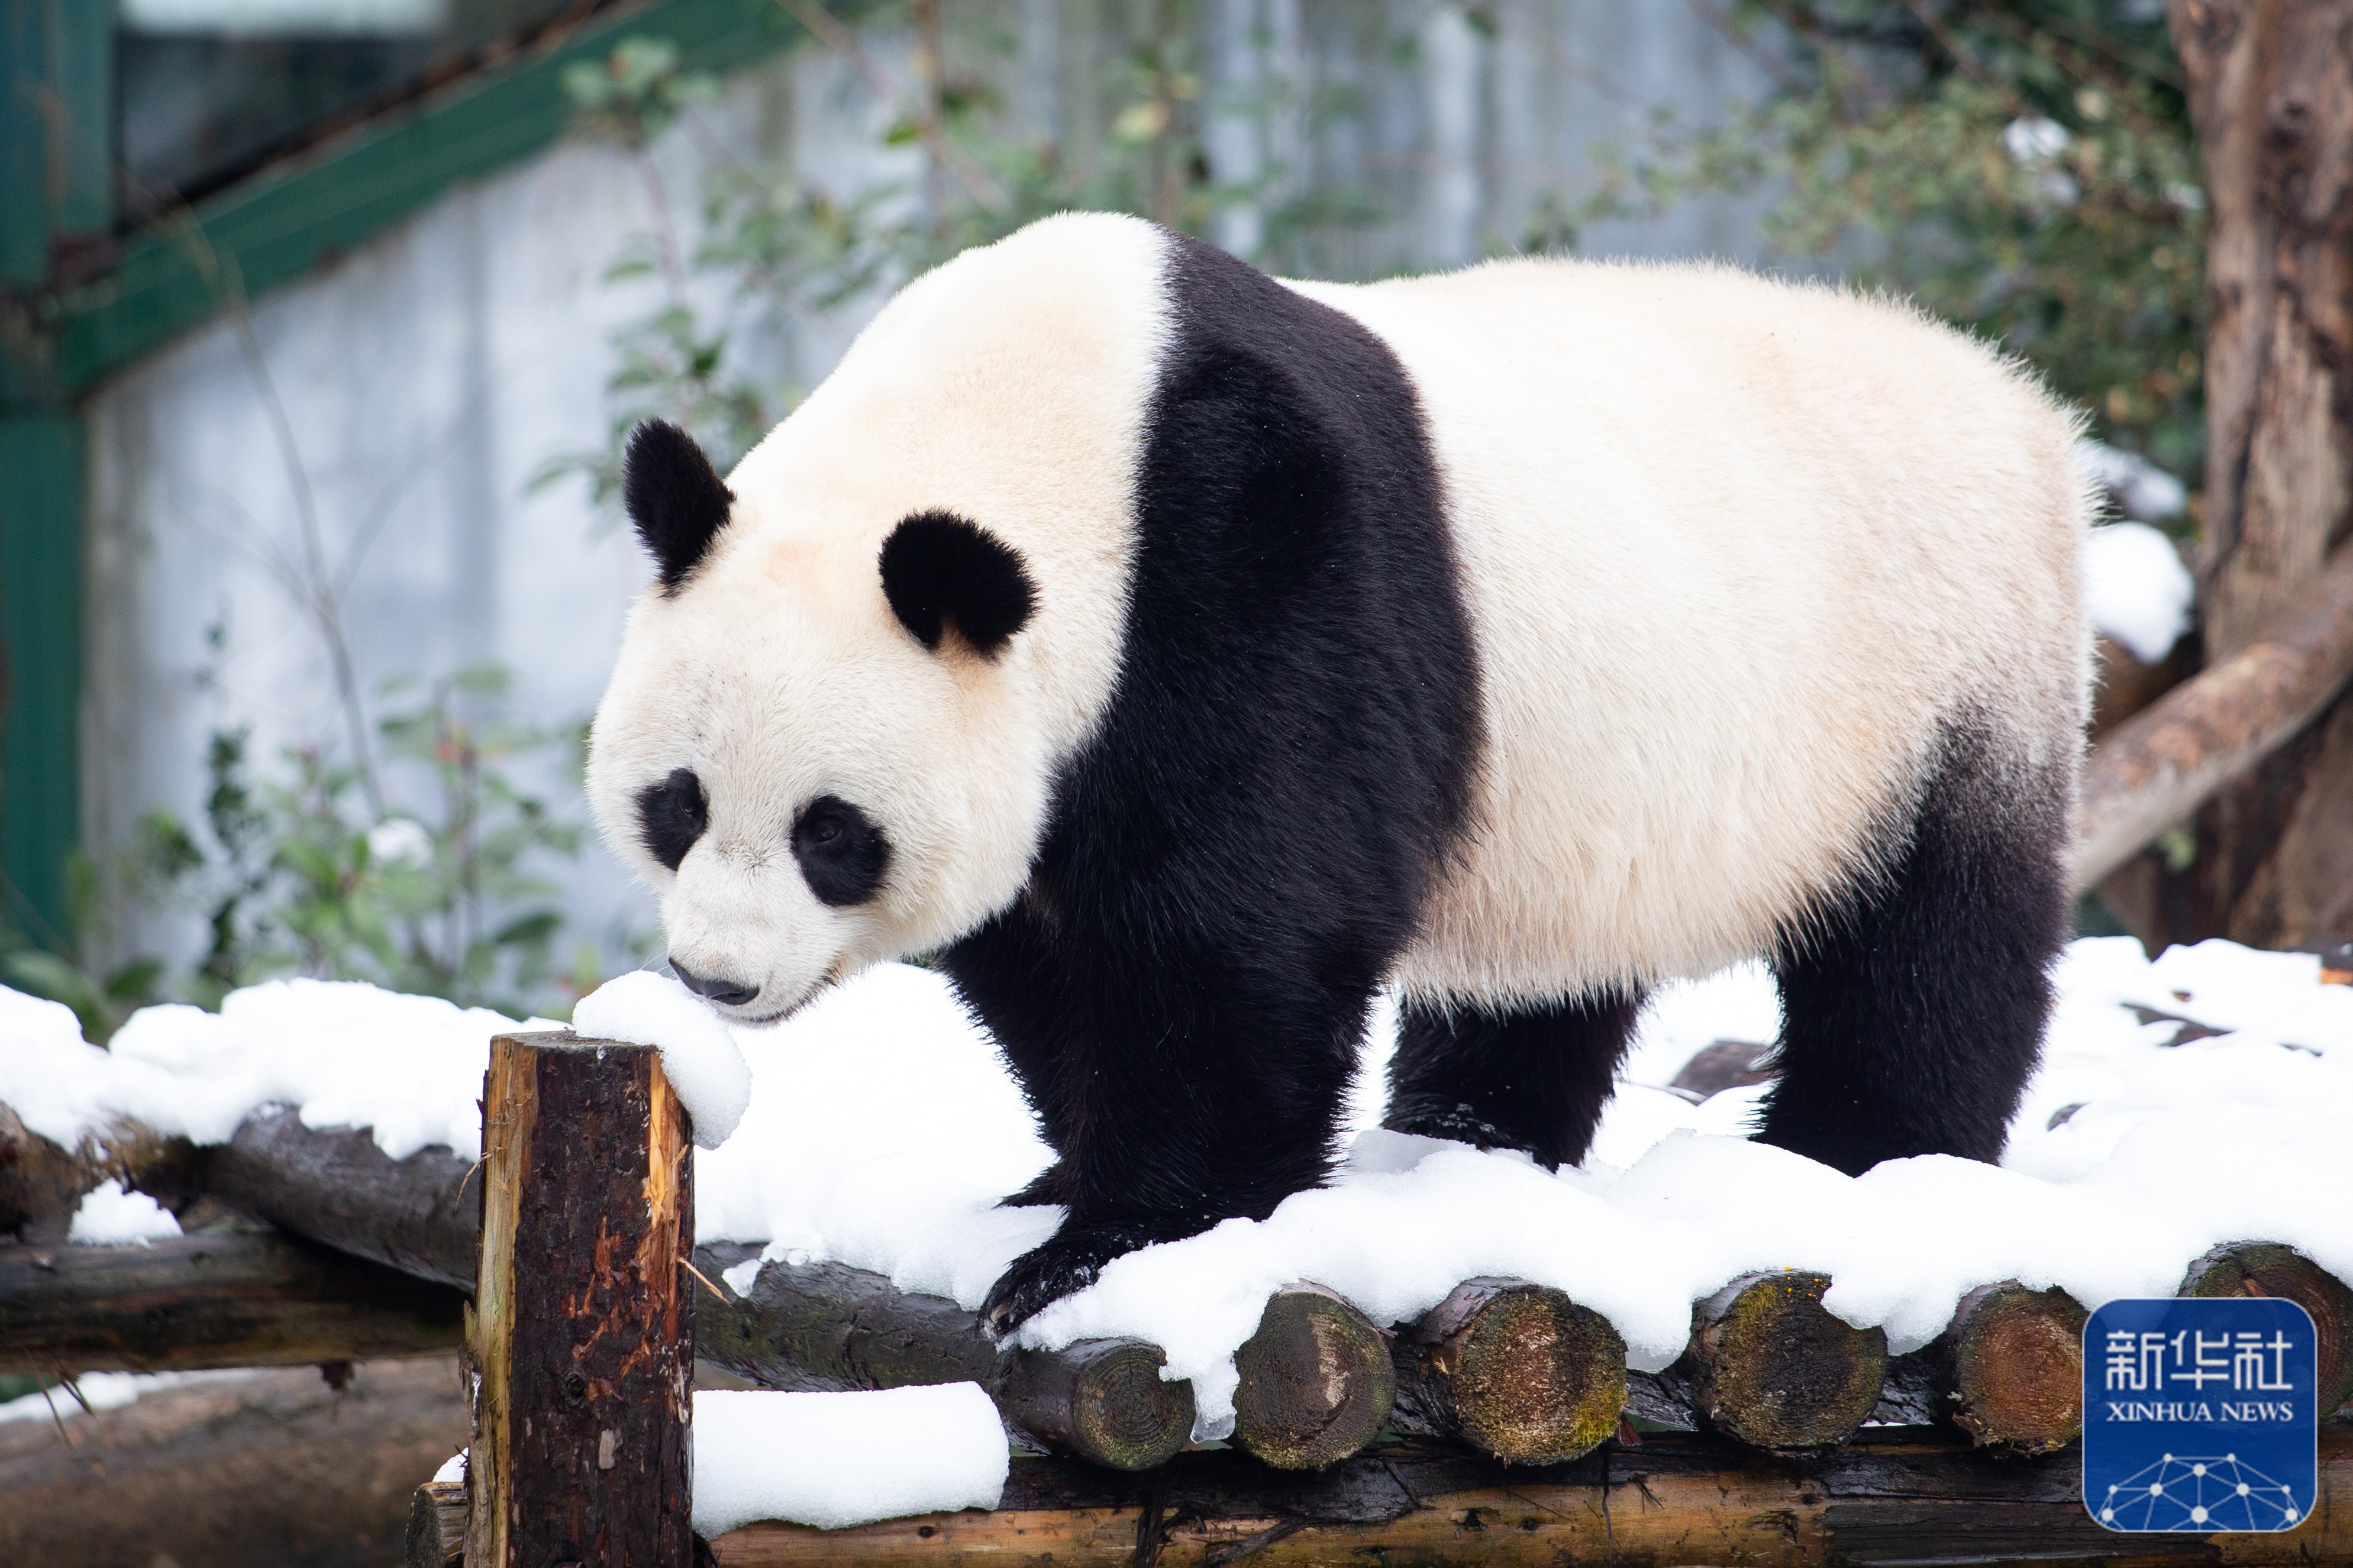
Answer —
1197 1092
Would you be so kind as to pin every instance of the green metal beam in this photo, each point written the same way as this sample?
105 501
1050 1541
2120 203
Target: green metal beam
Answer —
284 222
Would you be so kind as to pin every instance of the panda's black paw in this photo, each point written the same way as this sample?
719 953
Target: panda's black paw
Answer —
1069 1262
1046 1187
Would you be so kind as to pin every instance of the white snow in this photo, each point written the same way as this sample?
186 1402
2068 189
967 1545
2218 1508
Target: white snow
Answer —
698 1052
881 1128
105 1391
109 1216
834 1459
2136 588
453 1468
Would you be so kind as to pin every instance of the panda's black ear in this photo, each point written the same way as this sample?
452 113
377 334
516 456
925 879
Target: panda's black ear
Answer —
674 495
939 571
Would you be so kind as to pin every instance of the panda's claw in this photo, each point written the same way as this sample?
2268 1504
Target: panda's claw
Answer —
1066 1263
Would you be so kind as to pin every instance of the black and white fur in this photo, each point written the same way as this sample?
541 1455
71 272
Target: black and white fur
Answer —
1181 656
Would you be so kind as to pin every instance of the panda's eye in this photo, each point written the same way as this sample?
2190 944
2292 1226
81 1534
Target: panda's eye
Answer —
842 856
672 815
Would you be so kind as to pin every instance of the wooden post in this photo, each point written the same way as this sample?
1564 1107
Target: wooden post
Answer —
1770 1366
581 1333
1517 1370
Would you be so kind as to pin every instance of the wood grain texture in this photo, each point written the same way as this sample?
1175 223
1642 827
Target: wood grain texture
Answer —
233 1299
1918 1498
581 1333
2266 1268
1770 1365
2016 1368
1515 1370
1317 1382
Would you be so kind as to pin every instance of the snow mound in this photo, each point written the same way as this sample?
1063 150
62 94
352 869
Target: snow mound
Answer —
699 1054
2196 1100
835 1459
2136 588
109 1216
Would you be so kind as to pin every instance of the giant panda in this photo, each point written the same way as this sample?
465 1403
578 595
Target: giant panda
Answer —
1178 655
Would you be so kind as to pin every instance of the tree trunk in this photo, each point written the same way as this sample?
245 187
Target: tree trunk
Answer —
2271 90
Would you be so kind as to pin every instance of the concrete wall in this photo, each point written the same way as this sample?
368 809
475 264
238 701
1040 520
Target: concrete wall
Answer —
427 378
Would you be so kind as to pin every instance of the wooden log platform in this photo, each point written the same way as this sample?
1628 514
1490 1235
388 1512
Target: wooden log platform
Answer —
2012 1360
1770 1366
581 1335
2264 1269
1903 1497
212 1300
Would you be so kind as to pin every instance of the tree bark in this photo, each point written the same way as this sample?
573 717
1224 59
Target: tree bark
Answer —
581 1336
2271 91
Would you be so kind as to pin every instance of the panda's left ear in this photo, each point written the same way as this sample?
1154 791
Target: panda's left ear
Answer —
939 571
674 495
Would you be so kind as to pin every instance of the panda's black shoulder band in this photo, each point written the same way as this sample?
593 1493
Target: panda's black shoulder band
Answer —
939 570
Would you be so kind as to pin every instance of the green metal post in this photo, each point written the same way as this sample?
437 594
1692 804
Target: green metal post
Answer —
56 185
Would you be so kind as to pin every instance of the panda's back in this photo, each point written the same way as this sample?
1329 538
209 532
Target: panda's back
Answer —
1738 556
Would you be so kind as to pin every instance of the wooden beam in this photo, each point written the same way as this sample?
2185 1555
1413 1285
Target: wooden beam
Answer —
274 1470
581 1335
237 1299
2158 767
1515 1370
1770 1365
1906 1497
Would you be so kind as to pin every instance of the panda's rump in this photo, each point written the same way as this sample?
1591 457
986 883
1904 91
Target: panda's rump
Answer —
1736 555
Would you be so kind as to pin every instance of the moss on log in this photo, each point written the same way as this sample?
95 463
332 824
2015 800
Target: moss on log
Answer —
1770 1365
1515 1370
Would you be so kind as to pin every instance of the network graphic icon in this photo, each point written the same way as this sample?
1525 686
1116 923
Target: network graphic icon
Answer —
2194 1492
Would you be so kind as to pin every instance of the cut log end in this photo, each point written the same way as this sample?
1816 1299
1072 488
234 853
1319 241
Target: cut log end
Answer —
1517 1370
1317 1381
436 1526
1774 1369
1102 1401
2017 1368
2268 1268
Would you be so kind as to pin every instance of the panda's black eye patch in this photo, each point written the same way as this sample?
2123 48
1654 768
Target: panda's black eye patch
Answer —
842 855
672 815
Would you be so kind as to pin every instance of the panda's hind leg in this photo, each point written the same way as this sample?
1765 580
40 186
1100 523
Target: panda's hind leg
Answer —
1913 1015
1533 1078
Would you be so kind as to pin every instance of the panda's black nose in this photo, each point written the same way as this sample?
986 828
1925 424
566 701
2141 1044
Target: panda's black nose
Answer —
726 992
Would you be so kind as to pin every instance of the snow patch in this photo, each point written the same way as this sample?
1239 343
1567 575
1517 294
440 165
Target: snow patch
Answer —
109 1216
102 1391
698 1051
835 1459
2136 588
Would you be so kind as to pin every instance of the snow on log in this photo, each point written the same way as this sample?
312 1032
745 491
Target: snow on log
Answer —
1515 1370
2158 767
581 1335
2012 1366
40 1184
1770 1365
2262 1269
1318 1381
214 1300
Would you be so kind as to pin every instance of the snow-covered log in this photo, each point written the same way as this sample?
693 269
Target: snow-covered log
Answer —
1317 1383
1676 1499
1518 1370
228 1298
2158 766
2262 1269
420 1215
581 1335
40 1182
1770 1365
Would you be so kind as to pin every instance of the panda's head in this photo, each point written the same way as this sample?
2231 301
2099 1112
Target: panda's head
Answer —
831 735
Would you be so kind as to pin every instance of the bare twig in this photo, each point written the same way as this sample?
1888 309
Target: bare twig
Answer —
826 28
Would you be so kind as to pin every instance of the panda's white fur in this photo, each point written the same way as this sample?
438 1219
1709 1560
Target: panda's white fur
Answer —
1732 551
